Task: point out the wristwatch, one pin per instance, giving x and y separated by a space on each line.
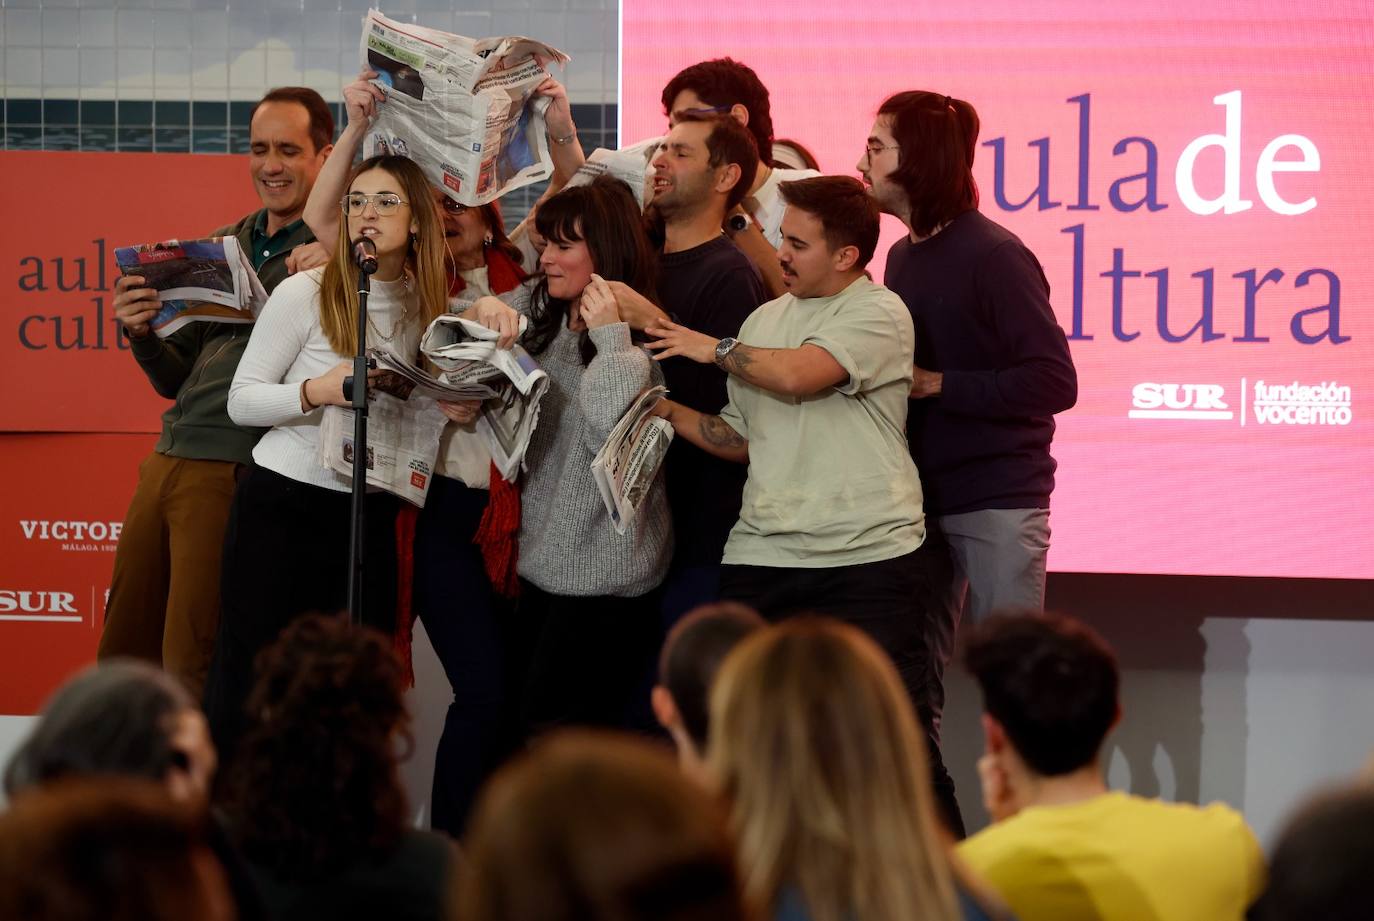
725 347
738 223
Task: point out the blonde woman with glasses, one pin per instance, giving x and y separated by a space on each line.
814 743
286 544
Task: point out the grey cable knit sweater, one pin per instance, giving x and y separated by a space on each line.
568 545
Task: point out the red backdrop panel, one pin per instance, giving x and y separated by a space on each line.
65 498
1089 108
63 366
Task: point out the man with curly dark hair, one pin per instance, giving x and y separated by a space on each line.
314 795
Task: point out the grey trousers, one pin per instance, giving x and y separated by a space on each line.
983 562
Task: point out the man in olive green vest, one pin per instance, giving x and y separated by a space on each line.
164 594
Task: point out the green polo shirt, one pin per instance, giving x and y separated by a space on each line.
265 247
831 482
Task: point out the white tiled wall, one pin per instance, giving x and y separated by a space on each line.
237 49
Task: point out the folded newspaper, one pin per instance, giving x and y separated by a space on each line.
462 108
208 279
466 352
400 378
402 443
627 463
629 164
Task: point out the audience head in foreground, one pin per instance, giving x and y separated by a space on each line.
1062 846
814 743
315 798
591 826
119 718
1320 869
108 849
691 656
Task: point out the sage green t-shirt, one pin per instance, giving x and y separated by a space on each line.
831 481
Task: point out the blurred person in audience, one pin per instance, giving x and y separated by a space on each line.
465 536
315 801
1062 847
286 545
687 666
831 520
1321 866
118 718
815 744
592 826
108 849
723 86
164 594
125 718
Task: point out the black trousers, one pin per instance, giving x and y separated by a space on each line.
890 600
464 619
580 661
286 554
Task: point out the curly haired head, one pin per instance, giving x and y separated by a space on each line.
315 786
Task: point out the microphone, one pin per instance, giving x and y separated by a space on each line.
365 255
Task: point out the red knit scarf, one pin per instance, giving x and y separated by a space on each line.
497 533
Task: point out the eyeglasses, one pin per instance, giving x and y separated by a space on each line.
452 207
385 203
875 149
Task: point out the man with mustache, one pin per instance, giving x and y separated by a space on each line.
832 519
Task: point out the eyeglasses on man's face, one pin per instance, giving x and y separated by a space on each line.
384 203
874 150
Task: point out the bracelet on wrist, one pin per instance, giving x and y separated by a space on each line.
565 139
305 400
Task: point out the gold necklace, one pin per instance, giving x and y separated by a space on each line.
399 322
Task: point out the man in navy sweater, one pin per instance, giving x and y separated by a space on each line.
991 368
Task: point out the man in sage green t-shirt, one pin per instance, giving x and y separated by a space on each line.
832 521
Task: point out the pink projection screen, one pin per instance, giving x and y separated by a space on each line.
1195 178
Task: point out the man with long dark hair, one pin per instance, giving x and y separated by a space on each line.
990 369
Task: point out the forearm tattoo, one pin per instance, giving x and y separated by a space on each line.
715 431
739 359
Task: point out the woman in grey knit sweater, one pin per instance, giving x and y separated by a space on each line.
587 625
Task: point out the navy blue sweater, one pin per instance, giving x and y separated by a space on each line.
981 307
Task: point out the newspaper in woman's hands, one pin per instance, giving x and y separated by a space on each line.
627 463
467 353
208 279
402 443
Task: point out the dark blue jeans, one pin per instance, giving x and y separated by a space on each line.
462 616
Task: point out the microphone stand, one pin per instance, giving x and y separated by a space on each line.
355 391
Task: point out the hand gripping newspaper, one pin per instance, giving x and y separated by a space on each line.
511 381
462 108
209 280
629 164
627 463
403 429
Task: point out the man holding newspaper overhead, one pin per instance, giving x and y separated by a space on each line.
164 594
832 519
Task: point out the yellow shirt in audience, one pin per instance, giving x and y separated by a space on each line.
1118 857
